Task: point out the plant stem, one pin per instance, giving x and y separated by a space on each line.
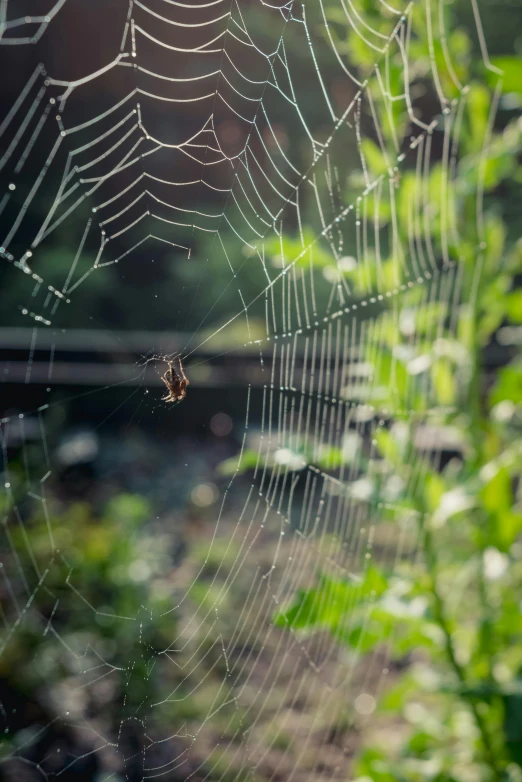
441 618
473 402
477 430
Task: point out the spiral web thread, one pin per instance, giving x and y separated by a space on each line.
312 321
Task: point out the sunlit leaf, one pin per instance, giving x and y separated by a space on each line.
443 379
514 306
248 461
434 489
373 158
508 385
511 67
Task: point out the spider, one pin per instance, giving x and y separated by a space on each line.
176 382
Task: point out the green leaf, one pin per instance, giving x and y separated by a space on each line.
434 489
291 249
373 157
478 112
512 76
328 604
496 494
309 609
421 742
248 462
443 379
388 446
508 385
514 306
509 527
392 386
497 499
373 764
394 697
495 237
366 635
329 458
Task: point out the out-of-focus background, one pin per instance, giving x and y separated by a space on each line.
154 625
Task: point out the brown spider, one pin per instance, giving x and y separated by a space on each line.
176 382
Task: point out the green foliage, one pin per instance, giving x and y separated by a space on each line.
454 610
90 576
297 457
511 67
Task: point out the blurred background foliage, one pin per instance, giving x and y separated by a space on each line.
454 610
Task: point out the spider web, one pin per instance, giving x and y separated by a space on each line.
268 110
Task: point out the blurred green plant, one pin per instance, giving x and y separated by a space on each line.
454 611
92 608
459 603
